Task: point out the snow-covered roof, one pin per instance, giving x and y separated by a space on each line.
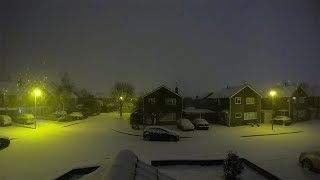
163 86
230 91
197 111
313 91
282 90
205 95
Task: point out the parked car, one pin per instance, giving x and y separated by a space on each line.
4 142
158 133
310 160
59 113
200 123
185 125
5 120
282 120
136 119
24 119
75 116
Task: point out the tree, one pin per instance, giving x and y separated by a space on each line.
64 90
90 105
121 93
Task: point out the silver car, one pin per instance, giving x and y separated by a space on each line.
310 160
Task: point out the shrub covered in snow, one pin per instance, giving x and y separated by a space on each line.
232 166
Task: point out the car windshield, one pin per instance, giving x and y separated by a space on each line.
234 84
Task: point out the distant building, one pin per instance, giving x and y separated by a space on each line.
290 100
162 106
237 105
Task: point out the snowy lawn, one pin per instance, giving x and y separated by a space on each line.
55 148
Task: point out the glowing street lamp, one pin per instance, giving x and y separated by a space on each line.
37 92
272 94
121 101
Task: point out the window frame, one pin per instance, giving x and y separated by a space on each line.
250 102
172 100
238 117
237 100
152 100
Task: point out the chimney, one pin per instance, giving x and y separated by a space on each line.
177 89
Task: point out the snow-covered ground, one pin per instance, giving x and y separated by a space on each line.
55 148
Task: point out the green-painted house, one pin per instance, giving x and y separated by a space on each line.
238 105
162 106
290 100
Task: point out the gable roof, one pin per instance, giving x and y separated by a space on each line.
313 91
231 91
283 91
163 86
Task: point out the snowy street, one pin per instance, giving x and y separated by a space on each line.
55 148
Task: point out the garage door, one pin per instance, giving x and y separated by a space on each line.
250 115
167 117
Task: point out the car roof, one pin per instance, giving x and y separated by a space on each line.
158 127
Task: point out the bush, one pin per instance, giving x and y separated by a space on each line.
232 166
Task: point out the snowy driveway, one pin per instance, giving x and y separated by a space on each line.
52 150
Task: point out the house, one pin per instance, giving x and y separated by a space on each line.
162 106
290 100
313 101
238 105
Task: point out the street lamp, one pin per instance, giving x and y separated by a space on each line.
37 92
120 101
272 94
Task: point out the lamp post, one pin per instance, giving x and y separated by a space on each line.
120 101
37 92
272 94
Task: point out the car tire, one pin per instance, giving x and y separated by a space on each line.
147 138
307 163
171 138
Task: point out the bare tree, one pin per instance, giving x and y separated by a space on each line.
121 93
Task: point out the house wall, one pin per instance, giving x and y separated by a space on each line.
170 112
296 110
244 107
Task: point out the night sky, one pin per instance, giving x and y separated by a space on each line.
203 45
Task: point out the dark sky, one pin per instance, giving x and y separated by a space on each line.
203 45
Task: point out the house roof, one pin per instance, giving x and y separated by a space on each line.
231 91
282 91
313 91
163 86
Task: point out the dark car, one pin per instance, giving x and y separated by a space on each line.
158 133
200 123
4 142
310 160
136 119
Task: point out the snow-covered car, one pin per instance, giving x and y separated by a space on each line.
75 116
200 123
185 125
59 113
5 120
159 133
310 160
4 142
24 119
282 120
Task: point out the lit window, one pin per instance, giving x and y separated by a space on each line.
250 100
238 100
301 99
238 115
151 100
170 101
250 115
294 99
